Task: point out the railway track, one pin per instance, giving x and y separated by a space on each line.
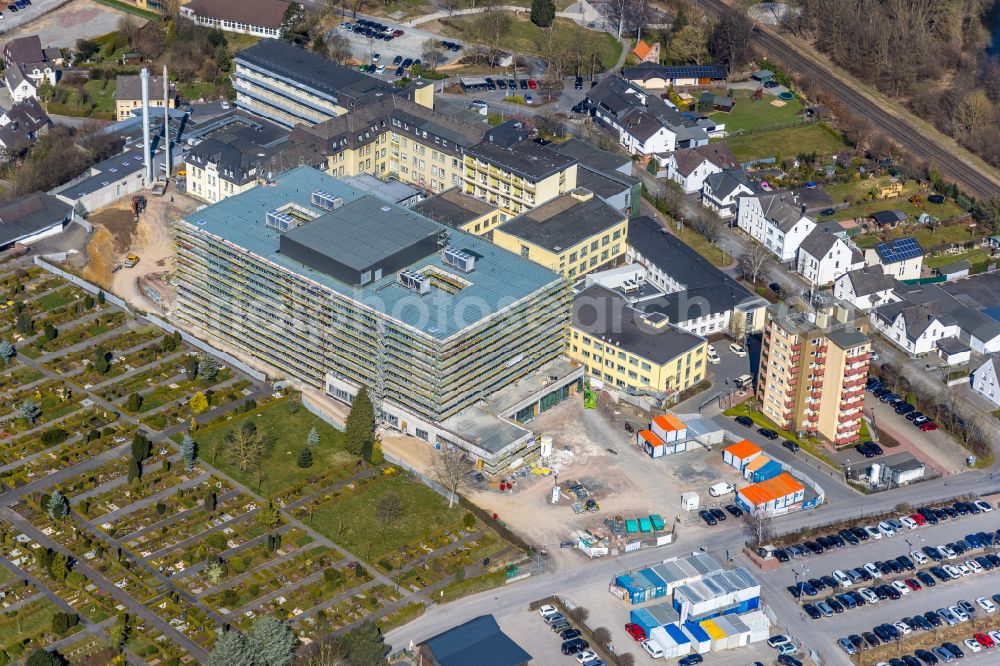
969 177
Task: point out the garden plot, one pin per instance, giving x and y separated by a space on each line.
189 619
226 516
358 606
28 628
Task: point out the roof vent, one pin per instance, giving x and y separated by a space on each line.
582 194
325 200
386 209
463 261
413 281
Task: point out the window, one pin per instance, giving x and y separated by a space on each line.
524 251
616 235
422 434
647 367
605 241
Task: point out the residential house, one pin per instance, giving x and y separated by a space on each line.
824 255
659 77
865 288
573 234
986 380
689 167
721 191
902 258
28 66
260 18
18 85
697 296
23 124
606 174
644 123
478 641
23 50
776 220
649 53
128 95
626 349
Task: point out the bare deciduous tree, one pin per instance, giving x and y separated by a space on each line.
580 614
754 261
708 224
328 651
338 48
451 470
757 527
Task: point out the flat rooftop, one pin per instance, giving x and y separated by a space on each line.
563 222
454 208
499 280
526 159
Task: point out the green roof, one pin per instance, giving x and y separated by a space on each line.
500 278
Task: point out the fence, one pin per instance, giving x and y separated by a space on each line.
317 411
153 319
424 479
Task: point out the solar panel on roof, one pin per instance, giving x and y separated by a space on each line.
900 249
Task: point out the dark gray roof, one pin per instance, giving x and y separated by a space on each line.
621 98
129 86
526 159
605 314
645 71
591 156
478 641
363 232
952 346
781 208
23 50
240 147
847 338
26 119
902 462
888 216
867 281
819 241
719 154
675 258
935 299
453 208
563 222
955 267
602 183
345 85
725 182
30 214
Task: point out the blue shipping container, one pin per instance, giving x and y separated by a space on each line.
768 470
644 619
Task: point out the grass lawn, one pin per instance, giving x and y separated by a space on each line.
523 37
195 91
788 142
749 114
289 432
100 103
6 575
26 623
700 245
973 257
352 521
743 409
928 238
856 191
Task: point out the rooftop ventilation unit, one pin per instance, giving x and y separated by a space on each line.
463 261
630 287
326 201
283 222
414 282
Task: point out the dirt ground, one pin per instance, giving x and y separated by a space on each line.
78 19
116 235
593 448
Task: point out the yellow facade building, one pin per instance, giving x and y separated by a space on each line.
128 95
519 176
624 348
573 234
460 211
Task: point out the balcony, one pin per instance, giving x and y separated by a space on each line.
857 358
853 383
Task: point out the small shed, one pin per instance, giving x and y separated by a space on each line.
953 351
762 75
650 443
739 454
993 242
668 427
690 501
761 468
902 468
955 270
888 218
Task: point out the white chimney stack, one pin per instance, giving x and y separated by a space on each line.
146 148
166 124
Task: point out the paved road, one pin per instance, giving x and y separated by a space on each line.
976 181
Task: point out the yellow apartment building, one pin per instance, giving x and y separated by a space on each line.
624 348
517 177
128 95
812 372
574 234
460 211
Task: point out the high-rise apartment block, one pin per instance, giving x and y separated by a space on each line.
812 372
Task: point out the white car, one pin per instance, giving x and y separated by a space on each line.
918 557
947 552
908 523
777 641
902 627
738 350
974 567
973 644
873 570
653 649
547 610
869 595
900 587
712 356
995 635
224 104
873 531
886 529
952 571
585 656
983 505
962 569
380 69
986 605
959 613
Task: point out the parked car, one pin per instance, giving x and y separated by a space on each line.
690 660
767 433
738 350
744 421
635 631
707 517
653 649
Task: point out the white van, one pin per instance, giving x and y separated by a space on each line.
652 648
720 489
743 381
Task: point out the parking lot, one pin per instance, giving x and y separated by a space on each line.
60 23
822 634
408 45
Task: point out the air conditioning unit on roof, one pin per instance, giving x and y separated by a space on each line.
463 261
326 201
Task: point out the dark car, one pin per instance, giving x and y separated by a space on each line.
578 84
812 611
580 107
933 553
914 415
691 660
954 649
790 445
397 60
776 288
984 562
932 618
817 583
570 634
788 660
781 555
906 563
926 579
400 71
860 533
767 433
502 84
12 8
407 62
718 514
827 212
926 657
940 574
871 639
734 510
524 84
744 421
795 590
707 517
910 660
858 599
883 633
574 645
814 547
849 537
865 450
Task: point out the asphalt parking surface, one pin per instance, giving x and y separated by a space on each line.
409 45
821 635
16 19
